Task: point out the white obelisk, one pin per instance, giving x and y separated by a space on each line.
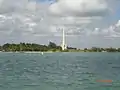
63 41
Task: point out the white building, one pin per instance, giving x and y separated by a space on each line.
64 46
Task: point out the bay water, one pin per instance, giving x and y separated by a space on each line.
59 71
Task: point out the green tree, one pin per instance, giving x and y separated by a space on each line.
0 48
52 45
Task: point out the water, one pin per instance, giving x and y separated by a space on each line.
59 71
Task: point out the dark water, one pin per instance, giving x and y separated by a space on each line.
59 71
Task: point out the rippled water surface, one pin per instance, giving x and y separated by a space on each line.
59 71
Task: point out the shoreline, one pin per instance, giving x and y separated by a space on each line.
54 52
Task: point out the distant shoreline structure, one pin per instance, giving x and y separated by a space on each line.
63 45
51 47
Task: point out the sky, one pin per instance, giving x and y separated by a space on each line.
87 23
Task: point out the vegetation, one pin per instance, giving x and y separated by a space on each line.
29 47
21 47
0 48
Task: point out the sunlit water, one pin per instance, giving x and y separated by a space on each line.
59 71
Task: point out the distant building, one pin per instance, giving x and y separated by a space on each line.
63 45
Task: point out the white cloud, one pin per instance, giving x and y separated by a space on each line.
111 31
31 6
79 13
96 31
1 2
79 8
118 24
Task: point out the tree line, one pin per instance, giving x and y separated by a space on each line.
96 49
29 47
50 47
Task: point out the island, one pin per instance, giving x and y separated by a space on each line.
51 47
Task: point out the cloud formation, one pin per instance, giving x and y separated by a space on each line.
26 20
81 8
